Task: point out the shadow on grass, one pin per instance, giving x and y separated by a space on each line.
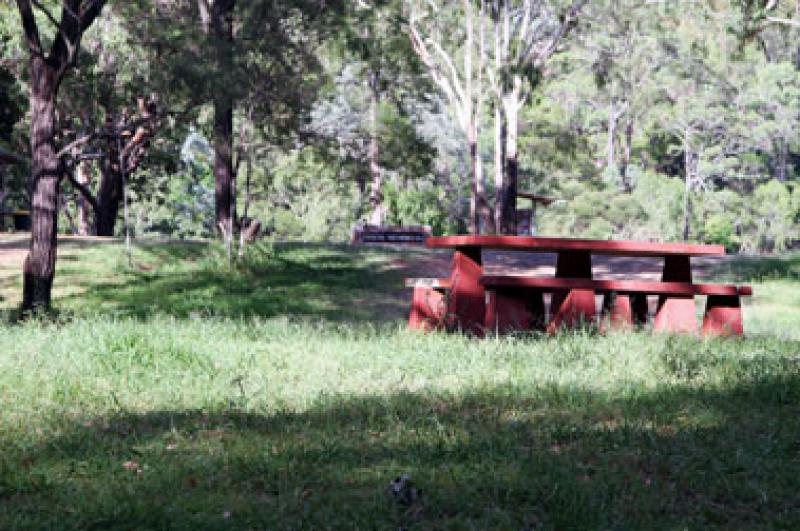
333 283
547 457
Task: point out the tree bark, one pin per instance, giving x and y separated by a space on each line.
222 24
46 73
46 168
223 163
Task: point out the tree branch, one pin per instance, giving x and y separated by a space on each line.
82 188
47 13
571 15
784 21
29 27
90 13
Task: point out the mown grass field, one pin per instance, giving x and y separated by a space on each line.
285 393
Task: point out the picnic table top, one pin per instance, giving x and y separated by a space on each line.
555 245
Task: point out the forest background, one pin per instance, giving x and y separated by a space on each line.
646 120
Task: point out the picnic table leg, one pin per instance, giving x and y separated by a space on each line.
576 306
723 316
467 297
676 313
428 309
625 310
618 309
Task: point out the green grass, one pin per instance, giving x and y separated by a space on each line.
286 394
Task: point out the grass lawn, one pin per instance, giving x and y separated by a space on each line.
285 393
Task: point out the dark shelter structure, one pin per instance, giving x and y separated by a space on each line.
526 217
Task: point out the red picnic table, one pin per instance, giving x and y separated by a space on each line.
473 301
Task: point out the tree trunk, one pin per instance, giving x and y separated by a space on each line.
109 195
84 176
612 133
223 163
512 168
626 157
687 189
376 174
474 214
46 170
222 24
481 219
499 167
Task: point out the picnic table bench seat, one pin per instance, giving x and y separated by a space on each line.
516 302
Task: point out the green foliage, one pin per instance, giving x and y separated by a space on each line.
310 202
720 228
775 215
421 205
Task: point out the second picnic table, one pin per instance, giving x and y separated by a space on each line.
477 302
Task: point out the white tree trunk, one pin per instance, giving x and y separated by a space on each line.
499 165
84 176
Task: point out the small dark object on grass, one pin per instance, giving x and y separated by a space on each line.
404 491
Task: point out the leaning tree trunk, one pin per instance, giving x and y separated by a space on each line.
46 169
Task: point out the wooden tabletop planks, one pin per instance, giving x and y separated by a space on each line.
556 245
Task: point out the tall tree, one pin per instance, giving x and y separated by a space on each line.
526 34
47 68
451 40
217 18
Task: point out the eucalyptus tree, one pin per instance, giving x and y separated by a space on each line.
226 53
375 47
52 45
526 34
451 39
621 47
